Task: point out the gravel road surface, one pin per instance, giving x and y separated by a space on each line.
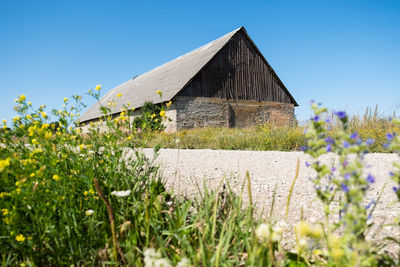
183 169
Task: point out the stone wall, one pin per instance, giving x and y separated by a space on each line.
194 112
197 112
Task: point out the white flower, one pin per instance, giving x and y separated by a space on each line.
185 262
89 212
262 232
121 193
150 257
162 263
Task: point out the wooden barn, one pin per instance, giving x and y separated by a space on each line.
226 82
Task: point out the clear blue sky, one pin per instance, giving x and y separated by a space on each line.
345 54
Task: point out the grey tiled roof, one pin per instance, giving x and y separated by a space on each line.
170 78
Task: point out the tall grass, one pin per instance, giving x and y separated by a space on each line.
274 137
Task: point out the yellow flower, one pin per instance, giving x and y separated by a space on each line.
47 135
4 122
152 116
22 98
44 114
28 116
129 137
4 194
162 113
98 87
4 211
81 146
56 177
20 238
169 104
18 191
65 99
4 163
119 95
29 103
85 193
159 93
16 118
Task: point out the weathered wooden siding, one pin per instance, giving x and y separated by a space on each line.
237 72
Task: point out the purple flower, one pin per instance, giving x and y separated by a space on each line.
370 179
327 120
330 140
389 136
358 141
391 173
347 176
396 189
370 141
303 148
386 145
345 163
316 118
312 101
341 114
354 135
329 148
307 164
344 187
372 202
346 144
333 169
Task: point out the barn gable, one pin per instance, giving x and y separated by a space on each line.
230 67
239 72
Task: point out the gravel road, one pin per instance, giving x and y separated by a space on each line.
183 169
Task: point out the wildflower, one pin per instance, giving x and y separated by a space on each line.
396 189
56 177
162 263
370 141
169 104
347 176
330 140
44 114
20 238
121 193
29 103
316 118
16 119
263 232
346 144
307 164
341 114
129 137
4 121
5 212
4 163
389 136
65 99
119 95
22 98
159 93
370 179
354 135
184 262
152 116
304 148
89 212
162 113
391 173
344 187
329 148
98 87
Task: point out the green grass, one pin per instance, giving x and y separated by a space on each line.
271 137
